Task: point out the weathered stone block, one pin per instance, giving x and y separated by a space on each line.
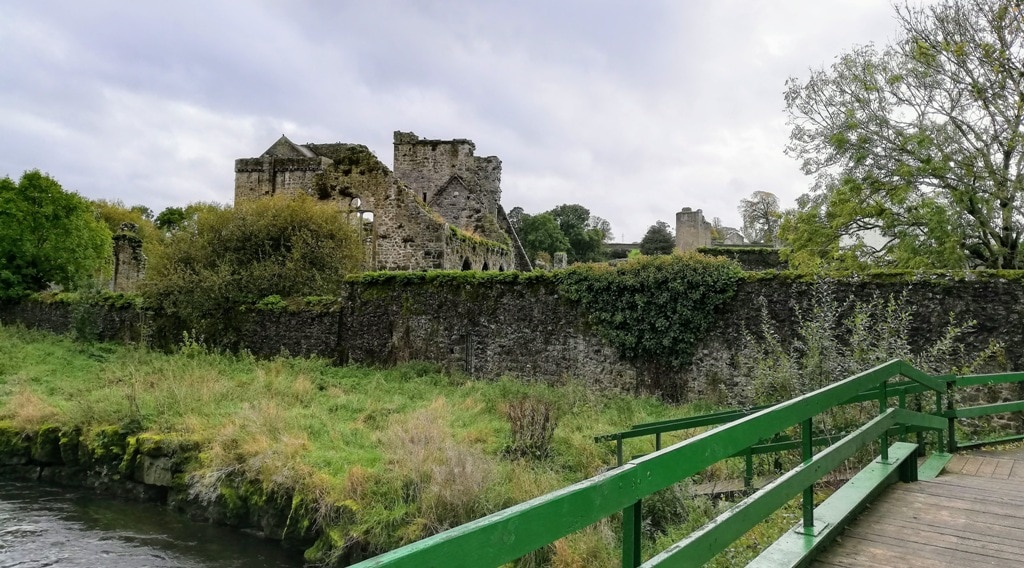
154 471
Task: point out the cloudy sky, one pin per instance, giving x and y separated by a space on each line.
632 108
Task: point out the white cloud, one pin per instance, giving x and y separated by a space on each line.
631 109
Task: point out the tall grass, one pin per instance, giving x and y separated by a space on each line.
385 456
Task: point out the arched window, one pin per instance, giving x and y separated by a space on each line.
466 265
485 266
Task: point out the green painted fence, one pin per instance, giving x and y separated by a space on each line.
512 533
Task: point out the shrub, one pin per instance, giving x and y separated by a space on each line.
533 421
231 258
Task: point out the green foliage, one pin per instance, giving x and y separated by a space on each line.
658 240
47 235
915 147
585 232
653 309
837 339
566 228
114 213
540 233
230 258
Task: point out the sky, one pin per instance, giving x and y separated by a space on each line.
634 109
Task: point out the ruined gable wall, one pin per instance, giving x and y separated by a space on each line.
270 175
425 166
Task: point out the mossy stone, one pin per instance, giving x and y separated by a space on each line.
46 446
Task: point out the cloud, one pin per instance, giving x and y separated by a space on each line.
633 109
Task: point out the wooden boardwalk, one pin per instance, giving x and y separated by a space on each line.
970 515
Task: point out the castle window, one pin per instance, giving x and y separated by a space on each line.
466 265
485 267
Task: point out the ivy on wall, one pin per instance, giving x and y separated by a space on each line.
653 309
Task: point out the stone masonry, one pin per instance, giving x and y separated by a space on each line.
440 209
692 230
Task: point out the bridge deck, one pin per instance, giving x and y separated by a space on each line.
970 515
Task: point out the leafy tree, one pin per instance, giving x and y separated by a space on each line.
586 233
916 148
145 212
47 235
540 234
515 218
761 217
230 258
171 218
658 240
114 213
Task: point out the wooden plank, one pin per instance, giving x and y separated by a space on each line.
956 464
987 467
1017 472
1003 468
972 465
955 520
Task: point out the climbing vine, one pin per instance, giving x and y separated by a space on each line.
654 310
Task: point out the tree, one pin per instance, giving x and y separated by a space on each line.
586 233
658 240
515 218
761 217
540 234
230 258
47 236
916 148
114 213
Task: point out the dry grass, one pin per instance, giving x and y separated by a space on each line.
28 411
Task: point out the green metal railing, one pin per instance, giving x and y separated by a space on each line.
514 532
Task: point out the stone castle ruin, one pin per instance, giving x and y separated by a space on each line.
692 230
439 209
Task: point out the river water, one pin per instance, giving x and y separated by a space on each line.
44 526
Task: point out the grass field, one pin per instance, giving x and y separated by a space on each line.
409 451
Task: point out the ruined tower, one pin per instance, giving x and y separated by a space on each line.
692 230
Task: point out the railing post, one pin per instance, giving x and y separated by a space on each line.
618 451
883 405
632 519
951 406
657 441
902 401
748 470
808 454
938 410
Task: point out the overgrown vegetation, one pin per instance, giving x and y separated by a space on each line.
653 309
387 457
231 258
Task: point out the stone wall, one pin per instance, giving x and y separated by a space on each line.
271 175
512 325
482 328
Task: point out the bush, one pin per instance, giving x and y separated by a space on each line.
533 422
232 258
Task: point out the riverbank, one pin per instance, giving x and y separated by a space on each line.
344 462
